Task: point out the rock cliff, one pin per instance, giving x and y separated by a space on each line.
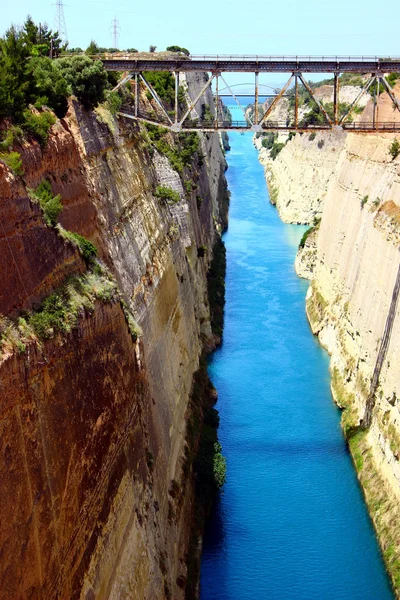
352 258
96 470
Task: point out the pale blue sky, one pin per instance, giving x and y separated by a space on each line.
261 27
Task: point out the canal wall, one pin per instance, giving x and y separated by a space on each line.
352 257
99 424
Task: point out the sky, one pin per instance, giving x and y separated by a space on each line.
214 27
290 27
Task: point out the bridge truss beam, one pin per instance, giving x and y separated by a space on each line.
191 121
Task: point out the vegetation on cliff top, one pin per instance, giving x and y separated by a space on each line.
28 77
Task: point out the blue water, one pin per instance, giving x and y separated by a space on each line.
291 523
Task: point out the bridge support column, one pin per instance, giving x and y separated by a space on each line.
136 95
255 119
376 101
296 101
216 104
336 98
176 95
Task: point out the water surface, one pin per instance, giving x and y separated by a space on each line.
291 524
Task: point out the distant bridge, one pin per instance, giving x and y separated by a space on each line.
135 66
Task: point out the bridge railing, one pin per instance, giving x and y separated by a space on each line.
291 58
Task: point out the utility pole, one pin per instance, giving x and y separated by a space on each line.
115 30
59 21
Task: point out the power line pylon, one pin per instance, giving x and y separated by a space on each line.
115 30
59 21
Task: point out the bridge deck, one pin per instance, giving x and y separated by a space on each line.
262 64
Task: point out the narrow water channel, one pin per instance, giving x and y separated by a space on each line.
291 523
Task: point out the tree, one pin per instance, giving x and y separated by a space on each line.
47 84
13 55
178 49
39 39
86 78
92 48
152 48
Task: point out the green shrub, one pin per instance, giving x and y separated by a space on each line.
219 466
309 231
268 140
178 49
50 318
13 162
312 136
394 149
163 83
167 194
51 205
10 137
364 201
181 153
114 102
276 148
86 248
321 144
38 126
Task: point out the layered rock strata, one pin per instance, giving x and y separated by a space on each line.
97 493
352 303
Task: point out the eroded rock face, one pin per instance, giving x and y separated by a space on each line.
97 501
353 262
299 177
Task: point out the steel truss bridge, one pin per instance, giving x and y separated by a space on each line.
375 68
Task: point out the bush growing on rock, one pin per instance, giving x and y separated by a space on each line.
394 149
166 194
51 205
38 125
13 162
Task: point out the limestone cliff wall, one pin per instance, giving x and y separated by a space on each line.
349 303
298 179
97 501
353 260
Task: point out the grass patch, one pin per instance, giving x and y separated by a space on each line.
13 162
86 248
38 126
50 205
58 313
10 137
